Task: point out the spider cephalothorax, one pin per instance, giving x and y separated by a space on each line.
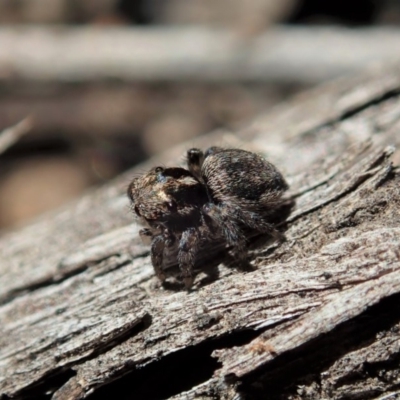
224 194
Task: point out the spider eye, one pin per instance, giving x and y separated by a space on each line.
171 205
159 169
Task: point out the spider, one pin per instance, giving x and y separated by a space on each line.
221 196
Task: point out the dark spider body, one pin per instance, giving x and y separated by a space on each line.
224 194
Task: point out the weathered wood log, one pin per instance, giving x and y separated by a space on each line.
300 55
82 315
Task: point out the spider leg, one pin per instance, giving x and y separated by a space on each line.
188 247
195 159
258 222
146 235
169 238
225 217
157 252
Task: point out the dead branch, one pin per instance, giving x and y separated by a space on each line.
295 55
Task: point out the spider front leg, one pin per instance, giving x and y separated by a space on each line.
157 255
188 248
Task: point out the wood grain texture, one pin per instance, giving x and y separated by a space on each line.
82 315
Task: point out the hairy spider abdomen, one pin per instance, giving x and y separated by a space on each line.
242 177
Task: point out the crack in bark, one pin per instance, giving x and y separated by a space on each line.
55 380
352 335
345 115
177 375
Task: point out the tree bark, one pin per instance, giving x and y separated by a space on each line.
82 315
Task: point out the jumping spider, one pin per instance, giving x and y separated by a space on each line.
223 194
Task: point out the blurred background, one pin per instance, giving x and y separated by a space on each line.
101 85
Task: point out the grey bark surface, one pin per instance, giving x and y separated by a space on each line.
82 315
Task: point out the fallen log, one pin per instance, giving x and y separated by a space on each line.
82 314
